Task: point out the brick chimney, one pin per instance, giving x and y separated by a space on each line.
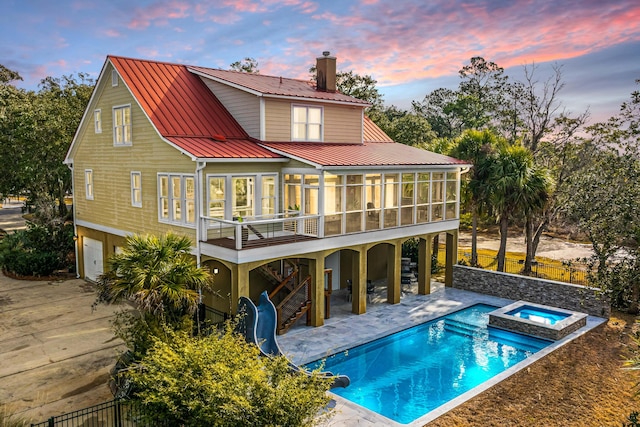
326 72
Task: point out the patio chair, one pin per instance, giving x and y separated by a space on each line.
349 289
370 290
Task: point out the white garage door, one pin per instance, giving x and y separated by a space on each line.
92 254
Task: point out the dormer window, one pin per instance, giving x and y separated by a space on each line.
306 123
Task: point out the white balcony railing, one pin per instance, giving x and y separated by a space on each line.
248 231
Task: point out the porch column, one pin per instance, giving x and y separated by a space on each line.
359 277
425 252
394 261
451 256
316 270
239 284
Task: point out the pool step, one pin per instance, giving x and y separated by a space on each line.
462 328
519 341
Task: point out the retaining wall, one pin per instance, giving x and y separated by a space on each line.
539 291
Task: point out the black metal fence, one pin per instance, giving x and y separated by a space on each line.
568 272
117 413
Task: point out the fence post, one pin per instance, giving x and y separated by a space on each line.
116 414
52 422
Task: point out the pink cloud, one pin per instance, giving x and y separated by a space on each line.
110 32
158 13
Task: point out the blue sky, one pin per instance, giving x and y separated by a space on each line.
411 47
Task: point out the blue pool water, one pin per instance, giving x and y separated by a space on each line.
408 374
540 315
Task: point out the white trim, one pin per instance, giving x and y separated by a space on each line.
183 222
134 203
306 137
89 185
103 228
263 119
97 120
124 142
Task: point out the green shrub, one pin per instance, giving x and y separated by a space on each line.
221 380
37 250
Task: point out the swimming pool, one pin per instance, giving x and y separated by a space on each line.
408 374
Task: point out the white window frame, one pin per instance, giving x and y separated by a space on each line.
97 120
119 109
306 135
114 78
182 200
256 193
88 184
136 190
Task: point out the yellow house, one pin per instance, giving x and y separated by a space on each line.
281 184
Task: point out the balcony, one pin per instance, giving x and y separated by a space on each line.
261 231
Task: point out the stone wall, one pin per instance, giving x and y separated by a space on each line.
539 291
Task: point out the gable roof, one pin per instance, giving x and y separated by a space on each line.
185 112
273 86
372 133
379 154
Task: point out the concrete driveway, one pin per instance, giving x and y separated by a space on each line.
55 353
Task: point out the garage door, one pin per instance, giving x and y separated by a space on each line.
92 255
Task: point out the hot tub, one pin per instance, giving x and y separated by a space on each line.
537 320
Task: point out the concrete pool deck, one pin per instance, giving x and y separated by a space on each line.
345 330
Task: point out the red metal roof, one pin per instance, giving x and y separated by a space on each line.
372 133
184 110
202 147
276 86
367 154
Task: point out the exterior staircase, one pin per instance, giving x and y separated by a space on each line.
295 304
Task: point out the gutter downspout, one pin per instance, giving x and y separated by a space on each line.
199 206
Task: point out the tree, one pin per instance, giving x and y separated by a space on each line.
247 65
36 129
605 203
221 380
158 274
514 188
478 148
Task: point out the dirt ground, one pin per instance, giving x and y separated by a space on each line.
55 352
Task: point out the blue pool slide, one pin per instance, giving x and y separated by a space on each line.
258 325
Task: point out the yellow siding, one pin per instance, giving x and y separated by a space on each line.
341 123
112 167
242 105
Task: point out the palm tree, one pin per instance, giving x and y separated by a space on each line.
158 274
477 147
514 188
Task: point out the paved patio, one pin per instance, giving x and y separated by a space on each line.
344 330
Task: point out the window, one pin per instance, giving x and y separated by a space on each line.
216 196
242 197
122 125
97 121
88 184
306 123
391 193
268 195
437 196
176 199
407 199
373 195
451 195
136 189
422 198
114 78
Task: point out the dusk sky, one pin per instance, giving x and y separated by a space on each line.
411 47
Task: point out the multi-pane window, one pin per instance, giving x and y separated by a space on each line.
268 196
216 196
391 192
407 200
122 125
451 195
136 189
422 197
354 188
242 196
88 184
437 196
176 199
306 123
373 197
333 188
97 121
